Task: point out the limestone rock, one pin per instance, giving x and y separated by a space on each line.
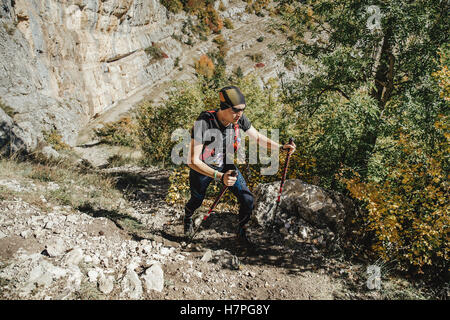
154 278
55 247
106 284
131 285
62 63
74 257
319 207
43 274
207 256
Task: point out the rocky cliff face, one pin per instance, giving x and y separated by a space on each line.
62 62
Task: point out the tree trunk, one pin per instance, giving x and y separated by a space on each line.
384 85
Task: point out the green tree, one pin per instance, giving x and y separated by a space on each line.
370 58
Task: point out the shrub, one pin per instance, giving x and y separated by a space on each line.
212 20
256 6
195 6
408 212
228 23
154 52
174 6
122 132
222 44
205 67
238 73
290 64
54 139
255 57
157 123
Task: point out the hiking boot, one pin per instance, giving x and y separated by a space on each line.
243 239
188 227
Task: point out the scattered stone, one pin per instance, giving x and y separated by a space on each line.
55 247
93 275
74 257
26 234
106 284
207 256
131 285
165 251
42 274
154 278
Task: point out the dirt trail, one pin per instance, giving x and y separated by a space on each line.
273 270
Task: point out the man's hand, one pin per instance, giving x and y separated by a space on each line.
228 179
289 147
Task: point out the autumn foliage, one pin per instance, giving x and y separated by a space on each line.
409 211
205 67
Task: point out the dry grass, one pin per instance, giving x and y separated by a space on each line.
58 184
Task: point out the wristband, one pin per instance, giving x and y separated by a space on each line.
215 175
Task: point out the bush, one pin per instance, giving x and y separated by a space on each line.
408 212
228 23
54 139
122 132
257 6
205 67
222 44
174 6
256 57
157 123
212 20
154 52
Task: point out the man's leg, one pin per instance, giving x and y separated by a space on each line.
198 184
246 202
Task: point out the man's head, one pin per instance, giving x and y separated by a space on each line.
232 103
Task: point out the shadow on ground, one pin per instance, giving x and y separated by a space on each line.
124 222
143 185
218 232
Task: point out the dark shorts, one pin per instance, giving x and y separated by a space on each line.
199 183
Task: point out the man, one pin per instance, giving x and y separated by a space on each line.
220 128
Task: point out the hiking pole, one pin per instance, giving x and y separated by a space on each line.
216 201
286 163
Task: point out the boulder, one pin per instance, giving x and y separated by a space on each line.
316 206
42 274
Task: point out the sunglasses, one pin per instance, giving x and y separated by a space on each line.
237 110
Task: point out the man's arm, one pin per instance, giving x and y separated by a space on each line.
265 142
195 163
